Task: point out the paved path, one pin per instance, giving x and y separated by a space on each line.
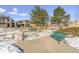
45 44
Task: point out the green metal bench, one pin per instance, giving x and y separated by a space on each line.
58 36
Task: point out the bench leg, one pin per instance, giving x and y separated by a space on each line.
64 41
59 42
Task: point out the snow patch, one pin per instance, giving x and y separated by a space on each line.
73 41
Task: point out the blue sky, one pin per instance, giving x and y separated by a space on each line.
21 12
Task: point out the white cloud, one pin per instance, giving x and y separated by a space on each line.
15 12
12 13
2 10
23 14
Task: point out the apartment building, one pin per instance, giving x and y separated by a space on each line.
6 22
22 23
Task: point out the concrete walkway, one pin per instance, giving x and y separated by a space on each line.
45 44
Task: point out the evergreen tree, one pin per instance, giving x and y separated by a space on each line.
39 16
60 16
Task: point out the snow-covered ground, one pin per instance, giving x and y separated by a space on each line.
73 41
9 36
7 42
9 48
35 35
8 39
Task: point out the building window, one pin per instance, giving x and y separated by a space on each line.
13 24
8 25
22 24
7 19
18 26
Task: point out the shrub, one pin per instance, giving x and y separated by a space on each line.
71 31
